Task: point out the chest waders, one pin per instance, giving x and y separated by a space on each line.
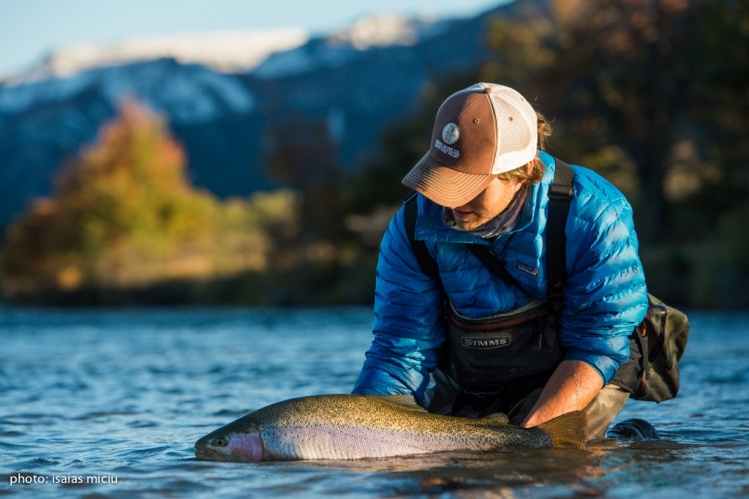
497 360
507 355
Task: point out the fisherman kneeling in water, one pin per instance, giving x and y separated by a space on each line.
471 336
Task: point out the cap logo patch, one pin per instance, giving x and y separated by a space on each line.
450 134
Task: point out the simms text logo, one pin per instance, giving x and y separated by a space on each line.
485 343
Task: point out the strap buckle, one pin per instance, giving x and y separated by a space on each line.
562 192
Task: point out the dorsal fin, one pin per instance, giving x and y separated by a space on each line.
497 417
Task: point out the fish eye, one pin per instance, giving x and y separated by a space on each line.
220 442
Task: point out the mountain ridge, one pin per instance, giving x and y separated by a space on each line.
221 118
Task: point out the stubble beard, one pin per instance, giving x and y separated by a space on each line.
470 224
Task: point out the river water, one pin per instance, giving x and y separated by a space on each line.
109 404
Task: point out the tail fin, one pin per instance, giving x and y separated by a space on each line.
568 430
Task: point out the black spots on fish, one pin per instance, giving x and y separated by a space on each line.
355 427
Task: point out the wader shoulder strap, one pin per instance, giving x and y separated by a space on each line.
560 195
419 248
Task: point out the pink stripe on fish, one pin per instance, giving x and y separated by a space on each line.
246 447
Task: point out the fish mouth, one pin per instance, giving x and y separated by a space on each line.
207 454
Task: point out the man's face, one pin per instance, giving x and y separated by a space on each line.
488 204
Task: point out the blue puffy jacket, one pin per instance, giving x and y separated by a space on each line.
605 295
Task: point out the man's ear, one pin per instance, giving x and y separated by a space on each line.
532 165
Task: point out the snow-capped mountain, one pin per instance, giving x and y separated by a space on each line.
227 52
184 92
358 80
375 32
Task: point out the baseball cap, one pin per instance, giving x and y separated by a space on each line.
480 132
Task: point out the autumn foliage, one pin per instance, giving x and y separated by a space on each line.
652 94
124 214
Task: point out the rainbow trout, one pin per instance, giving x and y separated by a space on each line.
372 426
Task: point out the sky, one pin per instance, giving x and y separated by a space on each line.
30 29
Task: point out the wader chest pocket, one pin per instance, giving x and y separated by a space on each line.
487 353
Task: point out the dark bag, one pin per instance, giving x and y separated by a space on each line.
657 344
652 371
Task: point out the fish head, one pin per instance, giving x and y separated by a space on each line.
231 443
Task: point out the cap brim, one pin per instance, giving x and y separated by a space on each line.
443 185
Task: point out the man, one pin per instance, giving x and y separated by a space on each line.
465 341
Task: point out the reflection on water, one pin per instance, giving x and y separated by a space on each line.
111 402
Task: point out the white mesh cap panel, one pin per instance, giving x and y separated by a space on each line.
516 127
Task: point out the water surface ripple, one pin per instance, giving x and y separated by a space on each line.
110 403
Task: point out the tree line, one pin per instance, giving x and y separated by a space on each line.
652 94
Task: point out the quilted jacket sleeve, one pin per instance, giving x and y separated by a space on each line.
605 295
407 324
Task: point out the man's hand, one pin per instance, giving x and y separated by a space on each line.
572 387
